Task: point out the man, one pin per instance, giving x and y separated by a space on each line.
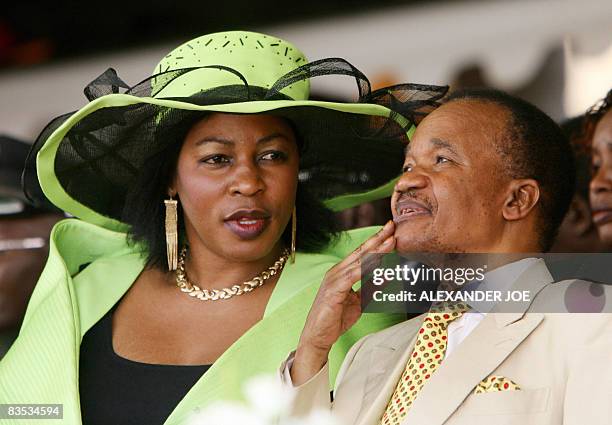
484 173
24 231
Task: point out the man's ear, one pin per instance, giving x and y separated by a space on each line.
522 197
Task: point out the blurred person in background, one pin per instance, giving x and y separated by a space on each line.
205 198
24 233
599 125
578 232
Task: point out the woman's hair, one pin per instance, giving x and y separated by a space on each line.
144 209
591 119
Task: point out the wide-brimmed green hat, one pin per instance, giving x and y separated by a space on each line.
87 161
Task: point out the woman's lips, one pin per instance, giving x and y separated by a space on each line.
247 229
602 216
247 225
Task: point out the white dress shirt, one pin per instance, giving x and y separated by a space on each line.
502 278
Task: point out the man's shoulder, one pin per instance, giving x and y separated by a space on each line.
394 336
574 296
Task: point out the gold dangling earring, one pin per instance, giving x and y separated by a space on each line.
171 233
293 234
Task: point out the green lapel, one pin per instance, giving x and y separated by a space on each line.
42 366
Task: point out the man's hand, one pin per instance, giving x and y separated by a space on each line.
336 307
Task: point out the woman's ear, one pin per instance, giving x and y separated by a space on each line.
523 196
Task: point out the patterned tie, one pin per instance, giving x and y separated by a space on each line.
425 359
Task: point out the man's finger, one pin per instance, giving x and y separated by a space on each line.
371 244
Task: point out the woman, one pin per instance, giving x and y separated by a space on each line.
215 168
599 125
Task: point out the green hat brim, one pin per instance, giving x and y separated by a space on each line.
54 190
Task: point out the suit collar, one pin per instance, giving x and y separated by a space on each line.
533 280
476 357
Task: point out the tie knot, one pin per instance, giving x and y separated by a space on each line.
446 312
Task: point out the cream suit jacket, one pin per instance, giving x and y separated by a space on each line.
561 361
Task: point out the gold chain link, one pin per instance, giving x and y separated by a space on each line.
195 291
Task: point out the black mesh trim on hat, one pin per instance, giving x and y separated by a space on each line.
99 159
324 67
29 179
108 82
97 165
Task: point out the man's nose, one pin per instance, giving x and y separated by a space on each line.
602 180
247 180
414 179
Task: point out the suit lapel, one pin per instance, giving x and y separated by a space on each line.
475 358
387 362
498 335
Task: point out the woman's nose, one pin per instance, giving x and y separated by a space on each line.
602 180
247 180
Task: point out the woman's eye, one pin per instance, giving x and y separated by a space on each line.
595 167
407 168
273 156
216 159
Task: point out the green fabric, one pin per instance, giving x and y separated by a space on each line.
260 58
42 364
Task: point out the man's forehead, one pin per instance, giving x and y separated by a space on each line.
458 122
434 142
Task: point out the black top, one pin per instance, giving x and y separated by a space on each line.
118 391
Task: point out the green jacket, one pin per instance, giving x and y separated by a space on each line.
42 366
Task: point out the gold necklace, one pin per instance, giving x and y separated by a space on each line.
195 291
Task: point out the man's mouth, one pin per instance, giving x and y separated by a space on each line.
409 209
247 224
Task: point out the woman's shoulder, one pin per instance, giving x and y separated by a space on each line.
347 241
78 244
76 249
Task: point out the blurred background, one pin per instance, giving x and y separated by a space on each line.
555 53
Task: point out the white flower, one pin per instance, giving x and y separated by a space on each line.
268 402
225 413
267 396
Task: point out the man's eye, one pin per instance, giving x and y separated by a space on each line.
441 160
407 168
273 156
216 159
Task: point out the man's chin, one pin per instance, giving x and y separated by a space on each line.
408 243
411 236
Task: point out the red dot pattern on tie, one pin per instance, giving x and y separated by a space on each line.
427 356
